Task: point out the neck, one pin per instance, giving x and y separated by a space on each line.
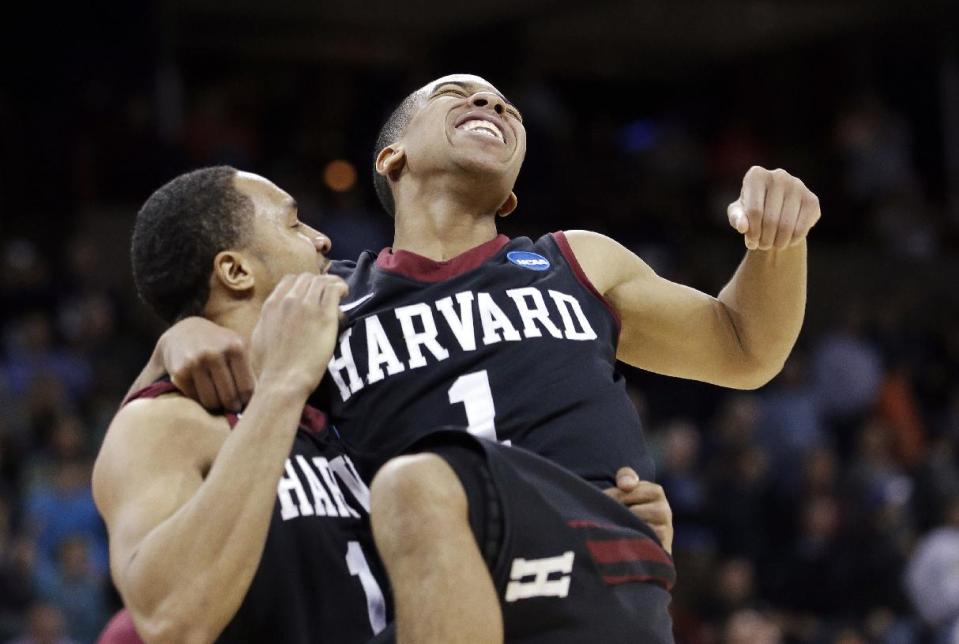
440 221
240 317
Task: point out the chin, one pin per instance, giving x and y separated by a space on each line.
490 166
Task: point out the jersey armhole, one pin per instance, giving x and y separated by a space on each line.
164 386
560 238
153 390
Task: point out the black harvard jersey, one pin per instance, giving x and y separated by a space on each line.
319 579
509 339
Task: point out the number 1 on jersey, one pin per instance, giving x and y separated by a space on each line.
375 604
474 392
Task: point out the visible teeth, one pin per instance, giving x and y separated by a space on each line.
483 127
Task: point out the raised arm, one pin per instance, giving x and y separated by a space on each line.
188 502
739 339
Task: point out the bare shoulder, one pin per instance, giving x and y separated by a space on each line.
172 418
587 241
156 434
606 262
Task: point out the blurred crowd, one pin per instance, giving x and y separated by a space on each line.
822 508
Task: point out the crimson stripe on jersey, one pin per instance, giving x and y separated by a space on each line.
424 269
567 250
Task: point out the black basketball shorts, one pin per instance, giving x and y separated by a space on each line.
569 563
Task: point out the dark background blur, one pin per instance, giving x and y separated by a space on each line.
822 508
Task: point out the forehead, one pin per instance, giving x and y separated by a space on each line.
259 188
467 80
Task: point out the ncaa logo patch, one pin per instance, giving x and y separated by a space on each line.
532 261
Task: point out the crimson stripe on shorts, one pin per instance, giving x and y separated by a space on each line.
617 550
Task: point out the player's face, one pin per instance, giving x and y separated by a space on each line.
280 243
464 122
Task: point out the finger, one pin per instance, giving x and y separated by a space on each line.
283 287
737 217
613 492
626 479
772 210
327 291
645 492
753 197
653 514
224 385
205 391
242 372
809 214
788 220
185 386
301 285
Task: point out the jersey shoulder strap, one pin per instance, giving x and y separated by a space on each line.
164 386
561 242
153 390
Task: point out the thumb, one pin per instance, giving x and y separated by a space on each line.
626 479
737 217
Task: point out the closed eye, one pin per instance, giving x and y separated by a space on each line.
450 91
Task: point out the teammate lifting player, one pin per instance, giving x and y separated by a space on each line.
198 541
519 338
204 543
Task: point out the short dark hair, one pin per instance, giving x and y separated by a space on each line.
389 133
177 234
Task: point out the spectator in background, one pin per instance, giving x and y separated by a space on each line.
733 591
879 526
16 574
680 474
44 626
32 354
847 374
62 507
740 485
790 426
25 277
751 627
876 146
76 589
811 577
932 577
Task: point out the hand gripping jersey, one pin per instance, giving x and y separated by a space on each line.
319 580
509 339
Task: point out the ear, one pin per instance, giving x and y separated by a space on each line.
390 161
509 205
233 271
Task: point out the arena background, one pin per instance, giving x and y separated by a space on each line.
798 508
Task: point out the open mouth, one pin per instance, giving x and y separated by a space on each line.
482 127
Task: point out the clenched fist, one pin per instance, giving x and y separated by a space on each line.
774 209
293 340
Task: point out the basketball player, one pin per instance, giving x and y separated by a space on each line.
252 528
457 323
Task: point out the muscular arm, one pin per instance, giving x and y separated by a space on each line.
184 546
742 337
739 339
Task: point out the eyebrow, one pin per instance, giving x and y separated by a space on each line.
468 86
